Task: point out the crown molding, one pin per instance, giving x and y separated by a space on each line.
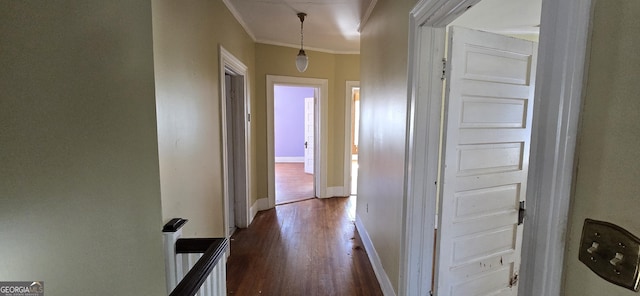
367 14
239 19
297 46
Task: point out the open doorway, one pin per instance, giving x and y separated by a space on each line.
559 81
352 128
236 129
294 129
485 137
319 153
479 139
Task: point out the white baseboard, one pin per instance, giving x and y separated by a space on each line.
260 205
336 191
263 204
290 159
381 275
253 211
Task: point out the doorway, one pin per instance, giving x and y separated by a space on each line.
554 120
319 154
352 128
236 128
486 136
294 130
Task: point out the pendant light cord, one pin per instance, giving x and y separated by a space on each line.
301 16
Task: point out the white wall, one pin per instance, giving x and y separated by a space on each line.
79 180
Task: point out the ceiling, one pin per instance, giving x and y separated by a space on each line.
332 25
512 17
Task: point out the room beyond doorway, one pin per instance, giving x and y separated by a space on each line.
294 142
320 155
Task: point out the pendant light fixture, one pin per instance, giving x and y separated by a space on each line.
302 61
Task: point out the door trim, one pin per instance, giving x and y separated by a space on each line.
229 63
347 134
320 159
560 74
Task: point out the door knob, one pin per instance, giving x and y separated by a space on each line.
305 144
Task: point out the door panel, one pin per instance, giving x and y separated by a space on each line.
487 131
309 132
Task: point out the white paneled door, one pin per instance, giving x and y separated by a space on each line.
309 133
487 131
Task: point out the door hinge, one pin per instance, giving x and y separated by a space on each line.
522 213
249 117
430 293
444 69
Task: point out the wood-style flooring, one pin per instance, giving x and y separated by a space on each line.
309 247
292 183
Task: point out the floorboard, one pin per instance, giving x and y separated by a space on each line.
292 183
309 247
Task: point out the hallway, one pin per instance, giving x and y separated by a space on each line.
303 248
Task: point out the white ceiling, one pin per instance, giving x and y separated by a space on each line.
332 25
513 17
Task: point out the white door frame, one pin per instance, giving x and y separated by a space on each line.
560 70
320 159
229 63
347 134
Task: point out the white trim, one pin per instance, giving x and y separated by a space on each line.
259 205
254 210
320 159
367 15
558 100
376 263
230 62
263 204
170 267
239 19
289 159
421 167
347 134
338 191
559 85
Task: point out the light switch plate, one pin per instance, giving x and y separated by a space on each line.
611 252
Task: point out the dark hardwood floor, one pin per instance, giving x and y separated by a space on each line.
309 247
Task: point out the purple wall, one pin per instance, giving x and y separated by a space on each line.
289 120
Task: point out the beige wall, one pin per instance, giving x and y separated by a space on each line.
606 184
382 129
79 181
186 36
337 68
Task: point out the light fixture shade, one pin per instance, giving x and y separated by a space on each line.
302 61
